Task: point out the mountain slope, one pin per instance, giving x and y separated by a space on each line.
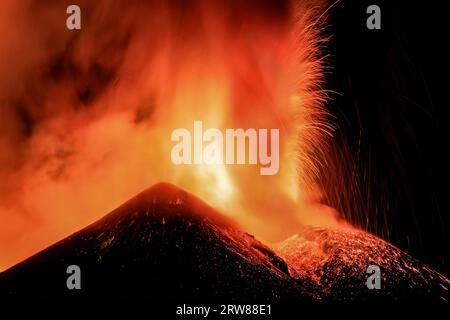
165 244
335 262
162 244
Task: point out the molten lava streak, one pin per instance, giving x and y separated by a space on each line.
87 116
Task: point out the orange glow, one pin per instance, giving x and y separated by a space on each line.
87 115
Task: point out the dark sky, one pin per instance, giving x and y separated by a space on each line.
390 107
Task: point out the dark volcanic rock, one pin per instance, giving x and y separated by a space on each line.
333 265
166 244
162 244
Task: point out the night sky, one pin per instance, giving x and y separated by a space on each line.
389 99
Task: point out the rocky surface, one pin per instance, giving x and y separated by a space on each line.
162 244
333 265
166 244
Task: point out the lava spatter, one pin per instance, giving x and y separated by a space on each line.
333 262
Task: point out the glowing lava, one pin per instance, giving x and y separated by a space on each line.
87 116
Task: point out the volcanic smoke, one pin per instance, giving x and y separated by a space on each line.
87 115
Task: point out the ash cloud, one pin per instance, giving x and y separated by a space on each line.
82 112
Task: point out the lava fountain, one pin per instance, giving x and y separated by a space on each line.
87 115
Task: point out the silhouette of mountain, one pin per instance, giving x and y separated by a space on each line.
166 244
162 244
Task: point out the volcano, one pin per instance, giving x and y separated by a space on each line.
166 244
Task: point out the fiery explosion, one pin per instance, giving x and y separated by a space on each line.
87 115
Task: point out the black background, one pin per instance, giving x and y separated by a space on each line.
388 96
